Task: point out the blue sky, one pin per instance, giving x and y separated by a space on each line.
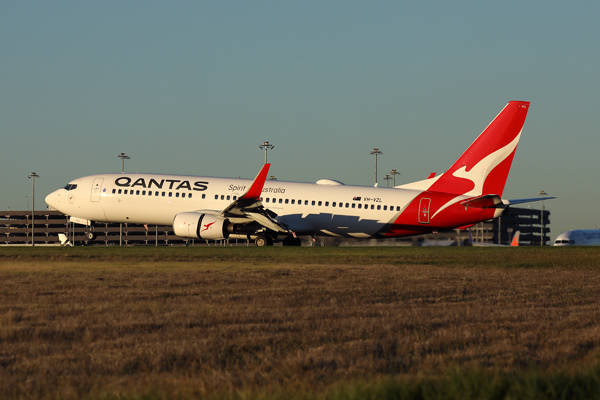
194 87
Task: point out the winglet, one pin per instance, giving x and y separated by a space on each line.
258 184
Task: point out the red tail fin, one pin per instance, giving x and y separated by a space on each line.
484 166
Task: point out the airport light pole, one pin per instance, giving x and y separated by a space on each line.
376 152
266 146
123 157
32 176
394 173
542 193
387 179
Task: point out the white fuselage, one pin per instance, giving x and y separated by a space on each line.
579 237
328 207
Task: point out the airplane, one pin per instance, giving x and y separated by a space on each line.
268 211
579 237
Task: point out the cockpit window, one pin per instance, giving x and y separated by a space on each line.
71 186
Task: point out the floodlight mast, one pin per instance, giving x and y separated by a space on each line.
394 173
387 178
266 146
123 157
376 152
32 176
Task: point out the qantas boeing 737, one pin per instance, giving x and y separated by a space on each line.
266 211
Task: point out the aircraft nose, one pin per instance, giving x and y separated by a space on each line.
53 199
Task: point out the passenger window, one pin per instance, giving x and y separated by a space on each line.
347 205
119 191
320 202
222 197
163 194
149 193
235 198
333 204
293 201
189 195
125 191
360 206
313 202
286 201
216 197
384 208
280 201
203 196
114 191
353 205
177 194
305 202
326 204
379 207
372 206
267 200
397 208
228 197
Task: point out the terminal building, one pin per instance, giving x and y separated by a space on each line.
16 229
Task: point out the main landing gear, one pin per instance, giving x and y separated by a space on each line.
91 235
262 240
265 240
291 241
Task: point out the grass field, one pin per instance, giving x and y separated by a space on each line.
278 323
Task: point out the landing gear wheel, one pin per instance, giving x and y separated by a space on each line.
262 241
291 241
90 235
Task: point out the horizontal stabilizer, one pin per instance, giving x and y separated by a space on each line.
485 201
520 201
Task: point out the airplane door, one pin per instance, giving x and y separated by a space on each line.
97 189
424 211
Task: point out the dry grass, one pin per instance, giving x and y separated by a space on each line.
115 326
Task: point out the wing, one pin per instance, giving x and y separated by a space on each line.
248 207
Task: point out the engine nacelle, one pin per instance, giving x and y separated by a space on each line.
201 226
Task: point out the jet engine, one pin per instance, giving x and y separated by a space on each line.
201 226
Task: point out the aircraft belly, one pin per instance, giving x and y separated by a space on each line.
122 210
332 224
